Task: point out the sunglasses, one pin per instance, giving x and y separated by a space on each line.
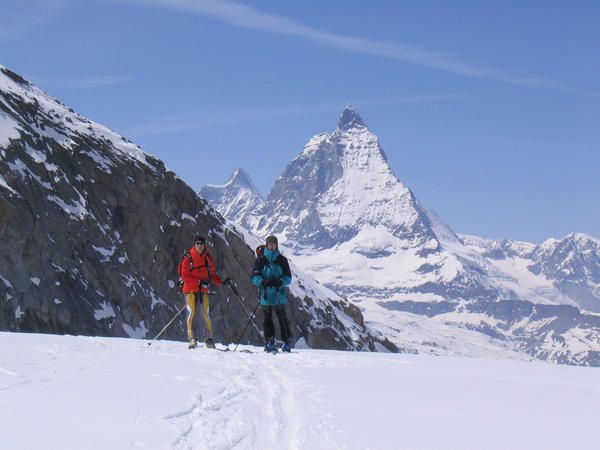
198 243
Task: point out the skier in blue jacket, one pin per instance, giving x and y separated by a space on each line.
272 274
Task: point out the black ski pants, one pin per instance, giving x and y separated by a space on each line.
268 325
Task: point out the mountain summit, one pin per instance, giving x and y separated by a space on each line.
350 119
241 178
239 197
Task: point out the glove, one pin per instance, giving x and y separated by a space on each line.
273 282
204 284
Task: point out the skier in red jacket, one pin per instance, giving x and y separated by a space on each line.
197 271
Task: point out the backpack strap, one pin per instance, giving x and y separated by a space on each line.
186 254
259 263
284 264
206 263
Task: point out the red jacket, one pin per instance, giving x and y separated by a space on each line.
197 267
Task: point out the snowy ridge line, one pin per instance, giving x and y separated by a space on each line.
70 121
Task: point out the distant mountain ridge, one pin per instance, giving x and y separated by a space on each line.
351 223
571 265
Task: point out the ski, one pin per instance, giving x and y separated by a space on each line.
224 349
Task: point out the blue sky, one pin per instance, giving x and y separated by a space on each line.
488 111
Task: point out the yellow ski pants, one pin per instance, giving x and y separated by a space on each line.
190 299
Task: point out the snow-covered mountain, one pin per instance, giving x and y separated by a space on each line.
92 229
239 196
352 224
340 184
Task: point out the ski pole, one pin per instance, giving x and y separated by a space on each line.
239 297
246 327
229 283
167 325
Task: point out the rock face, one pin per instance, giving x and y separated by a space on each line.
352 224
92 229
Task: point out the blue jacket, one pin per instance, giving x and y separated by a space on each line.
272 274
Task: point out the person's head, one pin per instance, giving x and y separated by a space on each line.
272 242
199 243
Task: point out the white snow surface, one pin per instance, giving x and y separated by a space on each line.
9 129
71 392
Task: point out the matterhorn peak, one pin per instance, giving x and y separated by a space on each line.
350 119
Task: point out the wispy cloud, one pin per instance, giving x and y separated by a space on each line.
18 16
244 16
67 83
194 122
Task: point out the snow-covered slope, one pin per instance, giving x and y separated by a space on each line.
342 213
68 392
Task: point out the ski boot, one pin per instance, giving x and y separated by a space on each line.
286 347
270 346
193 343
210 343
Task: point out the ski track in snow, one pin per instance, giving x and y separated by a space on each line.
217 420
209 422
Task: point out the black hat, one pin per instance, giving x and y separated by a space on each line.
200 239
273 239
